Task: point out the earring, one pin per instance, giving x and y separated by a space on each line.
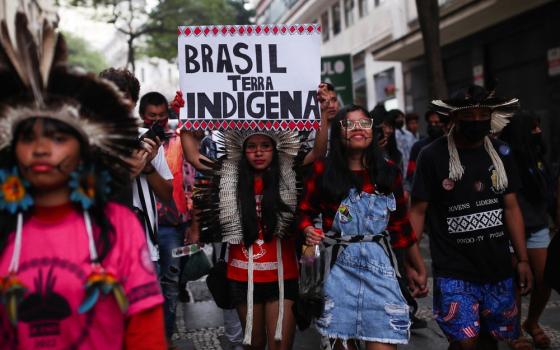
85 183
14 194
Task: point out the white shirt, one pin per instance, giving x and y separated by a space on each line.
160 165
405 140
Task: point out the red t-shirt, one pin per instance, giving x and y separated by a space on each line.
264 254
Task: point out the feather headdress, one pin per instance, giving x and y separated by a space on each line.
218 199
217 195
38 83
476 97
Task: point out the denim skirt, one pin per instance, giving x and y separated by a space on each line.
363 299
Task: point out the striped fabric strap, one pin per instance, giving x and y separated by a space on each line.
278 333
340 242
332 238
250 290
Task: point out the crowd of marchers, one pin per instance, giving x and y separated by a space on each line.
101 221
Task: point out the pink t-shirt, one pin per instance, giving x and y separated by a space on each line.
54 266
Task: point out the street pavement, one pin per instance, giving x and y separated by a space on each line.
200 322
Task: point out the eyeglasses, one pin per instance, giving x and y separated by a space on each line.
360 124
265 147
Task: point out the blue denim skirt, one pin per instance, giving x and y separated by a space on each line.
363 298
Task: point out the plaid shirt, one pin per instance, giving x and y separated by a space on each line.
315 202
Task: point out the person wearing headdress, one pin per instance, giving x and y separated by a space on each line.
466 183
248 200
74 267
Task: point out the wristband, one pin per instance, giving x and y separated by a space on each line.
522 261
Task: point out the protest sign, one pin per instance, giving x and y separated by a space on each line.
250 76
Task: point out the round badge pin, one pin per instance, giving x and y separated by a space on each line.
479 186
448 184
504 150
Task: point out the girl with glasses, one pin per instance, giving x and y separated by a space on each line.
358 194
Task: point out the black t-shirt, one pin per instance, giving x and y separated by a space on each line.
468 239
419 146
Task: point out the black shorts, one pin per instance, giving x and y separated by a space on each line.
263 292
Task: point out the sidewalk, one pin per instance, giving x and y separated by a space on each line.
200 323
200 326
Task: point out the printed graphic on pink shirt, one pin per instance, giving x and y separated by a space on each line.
54 266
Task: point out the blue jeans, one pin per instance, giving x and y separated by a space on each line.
169 237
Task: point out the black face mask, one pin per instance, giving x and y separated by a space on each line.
399 124
474 130
435 131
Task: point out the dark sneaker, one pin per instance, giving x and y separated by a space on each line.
417 323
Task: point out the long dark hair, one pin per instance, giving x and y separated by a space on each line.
519 137
338 179
271 203
381 116
391 147
104 239
392 150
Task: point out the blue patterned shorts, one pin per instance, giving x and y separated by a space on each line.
464 309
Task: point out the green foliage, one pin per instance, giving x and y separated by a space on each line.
158 34
82 55
169 14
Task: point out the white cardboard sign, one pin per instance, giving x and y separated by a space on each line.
250 76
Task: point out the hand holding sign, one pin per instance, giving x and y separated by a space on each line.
178 102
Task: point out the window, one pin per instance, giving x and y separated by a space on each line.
349 12
363 7
336 18
359 83
325 26
384 83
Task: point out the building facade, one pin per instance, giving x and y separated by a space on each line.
512 45
354 27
